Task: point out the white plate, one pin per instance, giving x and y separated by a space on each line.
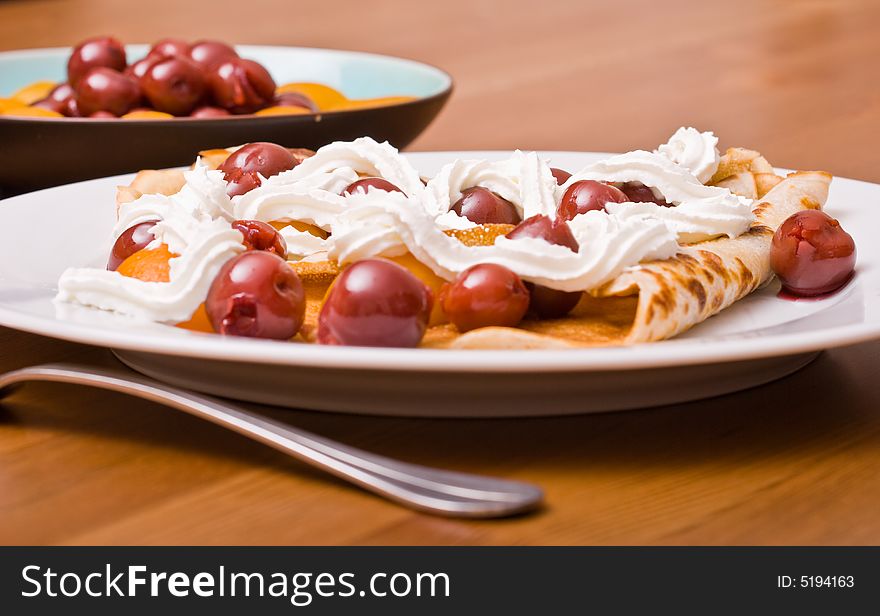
757 340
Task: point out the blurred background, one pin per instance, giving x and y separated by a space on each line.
793 78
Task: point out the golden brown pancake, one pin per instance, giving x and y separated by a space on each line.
653 301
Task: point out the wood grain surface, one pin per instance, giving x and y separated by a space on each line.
794 462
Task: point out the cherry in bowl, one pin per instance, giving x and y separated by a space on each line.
209 112
103 89
210 53
295 99
241 86
169 48
101 51
139 69
58 98
174 85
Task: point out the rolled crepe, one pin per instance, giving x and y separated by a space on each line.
660 299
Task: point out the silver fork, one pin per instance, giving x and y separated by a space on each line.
427 489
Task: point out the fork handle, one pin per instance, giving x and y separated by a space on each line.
431 490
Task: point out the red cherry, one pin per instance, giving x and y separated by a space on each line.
61 92
169 48
210 53
50 105
57 99
376 303
131 240
483 207
364 184
209 112
295 99
542 227
71 108
812 254
241 86
140 68
102 115
267 158
256 294
174 85
639 193
239 182
261 236
103 89
586 195
101 51
241 167
483 296
544 301
560 175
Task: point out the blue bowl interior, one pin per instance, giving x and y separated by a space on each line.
355 74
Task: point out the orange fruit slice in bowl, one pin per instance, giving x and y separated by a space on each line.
146 114
282 110
364 103
8 104
34 92
30 112
323 96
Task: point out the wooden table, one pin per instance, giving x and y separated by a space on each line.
792 462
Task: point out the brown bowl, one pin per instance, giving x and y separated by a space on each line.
41 152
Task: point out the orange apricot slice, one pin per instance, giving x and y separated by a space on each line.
365 103
199 322
323 96
31 112
432 280
34 92
283 110
148 265
146 114
7 104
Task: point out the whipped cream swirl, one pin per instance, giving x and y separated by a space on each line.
382 224
209 244
202 198
312 199
364 156
700 213
695 151
302 244
524 179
